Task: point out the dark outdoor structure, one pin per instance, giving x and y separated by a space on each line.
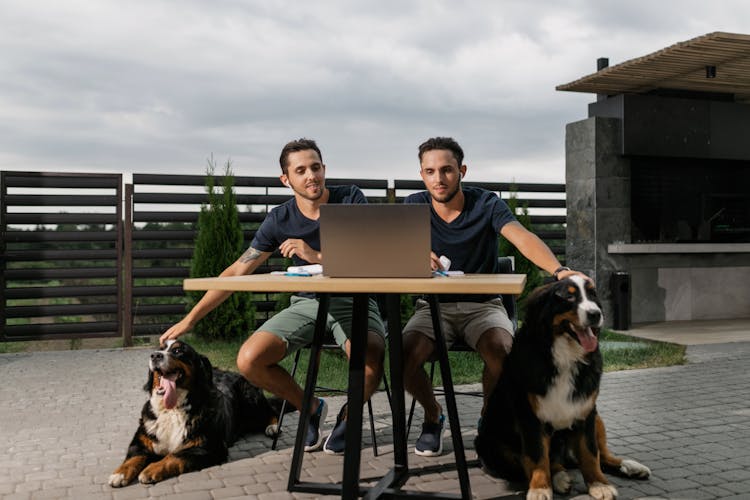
658 182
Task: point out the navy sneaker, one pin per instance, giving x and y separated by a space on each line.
336 442
430 442
314 436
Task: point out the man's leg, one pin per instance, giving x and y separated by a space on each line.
417 350
258 360
493 346
374 356
373 362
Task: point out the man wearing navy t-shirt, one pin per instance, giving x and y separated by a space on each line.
293 228
465 223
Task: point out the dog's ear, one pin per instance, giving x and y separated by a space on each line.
207 370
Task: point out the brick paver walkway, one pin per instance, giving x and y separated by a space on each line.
66 418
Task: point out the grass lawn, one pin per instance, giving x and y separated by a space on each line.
620 352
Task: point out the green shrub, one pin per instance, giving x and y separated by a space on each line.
219 242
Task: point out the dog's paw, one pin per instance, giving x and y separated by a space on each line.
633 469
602 491
562 482
118 480
539 494
272 429
152 474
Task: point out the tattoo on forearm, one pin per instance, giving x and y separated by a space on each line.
250 254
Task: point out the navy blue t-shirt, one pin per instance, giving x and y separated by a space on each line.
470 241
286 221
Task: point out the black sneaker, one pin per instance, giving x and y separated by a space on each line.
336 442
430 442
314 436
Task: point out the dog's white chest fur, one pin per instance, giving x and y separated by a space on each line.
558 407
169 427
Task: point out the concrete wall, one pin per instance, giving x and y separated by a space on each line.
597 181
689 286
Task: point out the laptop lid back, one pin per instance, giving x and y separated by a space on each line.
375 240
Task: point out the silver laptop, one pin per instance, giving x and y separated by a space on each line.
375 240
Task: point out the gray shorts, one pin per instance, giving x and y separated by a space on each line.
295 325
461 320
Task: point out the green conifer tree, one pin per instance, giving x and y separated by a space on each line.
220 242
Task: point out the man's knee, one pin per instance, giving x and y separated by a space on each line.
418 348
494 345
375 343
257 353
375 353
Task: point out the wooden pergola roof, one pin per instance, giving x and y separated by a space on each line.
682 66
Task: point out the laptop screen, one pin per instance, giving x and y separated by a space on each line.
375 240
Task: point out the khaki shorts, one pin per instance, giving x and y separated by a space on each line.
461 320
295 325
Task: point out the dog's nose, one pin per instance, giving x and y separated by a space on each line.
157 356
594 317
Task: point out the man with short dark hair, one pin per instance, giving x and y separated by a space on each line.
293 228
465 224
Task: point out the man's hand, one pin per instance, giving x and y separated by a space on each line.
175 331
435 263
565 274
301 249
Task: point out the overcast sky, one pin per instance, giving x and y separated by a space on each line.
156 86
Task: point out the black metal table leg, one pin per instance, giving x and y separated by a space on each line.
312 377
357 348
450 398
398 405
390 485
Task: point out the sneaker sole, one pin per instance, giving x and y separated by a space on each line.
428 453
319 442
331 452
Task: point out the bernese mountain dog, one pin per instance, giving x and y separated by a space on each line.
193 414
541 416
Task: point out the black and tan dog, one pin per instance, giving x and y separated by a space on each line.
542 413
194 413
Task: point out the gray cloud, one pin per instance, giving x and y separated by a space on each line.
159 85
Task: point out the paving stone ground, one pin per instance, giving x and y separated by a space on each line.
67 417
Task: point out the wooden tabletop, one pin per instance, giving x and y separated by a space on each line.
469 283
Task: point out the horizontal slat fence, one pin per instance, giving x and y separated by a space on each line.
60 255
69 270
165 211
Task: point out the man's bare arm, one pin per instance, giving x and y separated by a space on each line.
246 264
250 255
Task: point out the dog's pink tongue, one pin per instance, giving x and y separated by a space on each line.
170 392
587 339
